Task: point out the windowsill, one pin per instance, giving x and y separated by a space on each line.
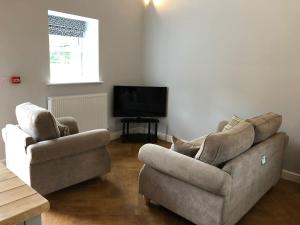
75 83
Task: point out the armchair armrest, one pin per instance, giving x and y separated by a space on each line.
187 169
67 146
14 136
69 122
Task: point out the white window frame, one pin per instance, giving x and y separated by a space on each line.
90 57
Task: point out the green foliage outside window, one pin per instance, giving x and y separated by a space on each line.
59 57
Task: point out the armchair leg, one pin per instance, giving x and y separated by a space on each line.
103 177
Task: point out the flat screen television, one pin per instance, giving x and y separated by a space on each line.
138 101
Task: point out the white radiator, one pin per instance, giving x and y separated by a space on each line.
90 111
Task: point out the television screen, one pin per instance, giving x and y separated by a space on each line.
132 101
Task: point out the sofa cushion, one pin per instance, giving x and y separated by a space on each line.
68 146
64 130
70 122
39 123
265 126
235 120
184 147
221 147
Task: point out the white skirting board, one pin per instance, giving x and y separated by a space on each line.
164 137
3 161
291 176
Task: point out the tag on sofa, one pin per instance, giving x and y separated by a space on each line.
263 160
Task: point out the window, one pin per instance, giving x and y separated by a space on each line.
74 48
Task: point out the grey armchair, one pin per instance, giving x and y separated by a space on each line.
42 157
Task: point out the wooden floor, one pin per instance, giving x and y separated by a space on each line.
115 199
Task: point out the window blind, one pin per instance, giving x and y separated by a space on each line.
66 27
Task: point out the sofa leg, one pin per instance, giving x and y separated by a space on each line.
147 200
103 177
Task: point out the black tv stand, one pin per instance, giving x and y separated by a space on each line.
139 137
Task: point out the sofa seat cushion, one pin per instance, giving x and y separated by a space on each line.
265 126
221 147
185 147
39 123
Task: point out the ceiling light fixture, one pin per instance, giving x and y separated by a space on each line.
155 2
147 2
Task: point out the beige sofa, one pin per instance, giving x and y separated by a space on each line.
38 152
221 191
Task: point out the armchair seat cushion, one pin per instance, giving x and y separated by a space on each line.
39 123
67 146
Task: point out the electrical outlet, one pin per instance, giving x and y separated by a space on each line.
263 160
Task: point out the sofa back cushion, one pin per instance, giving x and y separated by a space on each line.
188 148
235 120
265 126
39 123
221 147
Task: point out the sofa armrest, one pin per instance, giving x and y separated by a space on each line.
187 169
67 146
69 122
13 135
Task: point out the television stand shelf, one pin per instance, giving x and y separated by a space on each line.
139 137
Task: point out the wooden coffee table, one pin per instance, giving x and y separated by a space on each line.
18 201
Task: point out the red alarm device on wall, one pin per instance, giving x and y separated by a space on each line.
15 79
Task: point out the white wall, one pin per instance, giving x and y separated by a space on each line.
24 49
220 58
217 57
